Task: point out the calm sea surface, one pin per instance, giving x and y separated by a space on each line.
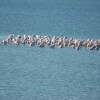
33 73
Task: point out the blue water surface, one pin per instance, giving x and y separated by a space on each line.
33 73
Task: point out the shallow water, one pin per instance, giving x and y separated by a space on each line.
33 73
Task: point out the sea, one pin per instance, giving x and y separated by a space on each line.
33 73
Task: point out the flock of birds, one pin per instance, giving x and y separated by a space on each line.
42 41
